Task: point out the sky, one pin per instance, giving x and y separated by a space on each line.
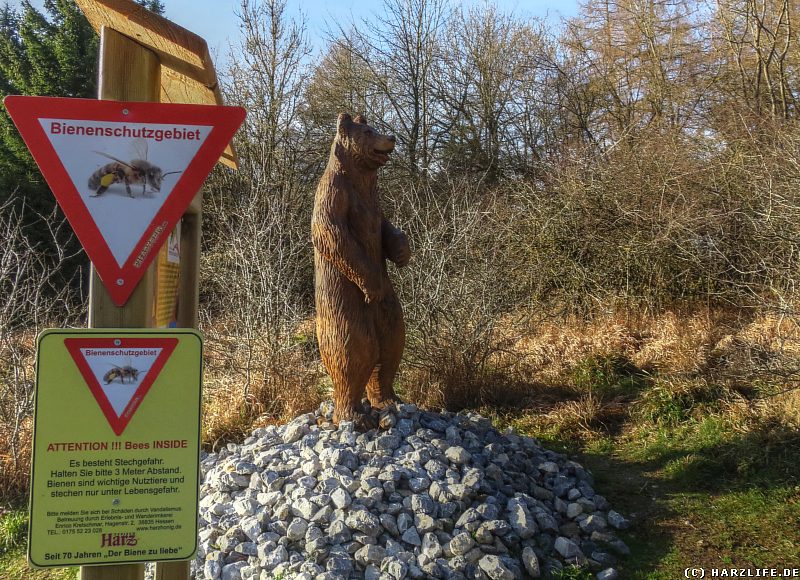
217 21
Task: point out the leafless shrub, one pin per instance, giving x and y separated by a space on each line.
256 268
539 177
455 291
32 296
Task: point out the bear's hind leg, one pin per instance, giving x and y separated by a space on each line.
380 391
348 390
350 370
391 339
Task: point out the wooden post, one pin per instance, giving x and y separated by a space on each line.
188 294
118 572
189 288
172 570
128 72
169 64
131 72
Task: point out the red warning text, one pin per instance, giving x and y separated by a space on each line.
174 134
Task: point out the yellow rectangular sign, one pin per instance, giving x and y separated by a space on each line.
116 447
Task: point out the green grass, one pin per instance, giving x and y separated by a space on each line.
14 566
747 527
608 376
13 560
700 489
13 527
572 573
700 492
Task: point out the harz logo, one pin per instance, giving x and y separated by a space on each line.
114 540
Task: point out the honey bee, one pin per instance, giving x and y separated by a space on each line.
133 173
122 373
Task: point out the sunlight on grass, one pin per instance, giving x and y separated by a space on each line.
756 527
13 527
13 559
659 442
602 446
14 566
708 486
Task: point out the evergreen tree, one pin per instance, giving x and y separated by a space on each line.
49 53
52 55
55 56
153 5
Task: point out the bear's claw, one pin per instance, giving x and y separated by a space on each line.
363 421
386 403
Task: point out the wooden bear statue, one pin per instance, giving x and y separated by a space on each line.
359 319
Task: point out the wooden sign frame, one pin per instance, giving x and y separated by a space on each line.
187 73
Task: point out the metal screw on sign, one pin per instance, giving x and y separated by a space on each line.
120 281
115 501
125 111
117 342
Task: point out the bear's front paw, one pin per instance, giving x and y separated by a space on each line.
398 250
402 256
374 293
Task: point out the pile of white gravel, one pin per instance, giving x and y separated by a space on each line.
430 495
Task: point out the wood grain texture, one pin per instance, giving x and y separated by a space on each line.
128 72
172 570
188 74
359 318
177 48
123 572
189 288
131 72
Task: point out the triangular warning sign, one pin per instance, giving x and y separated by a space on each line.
120 371
123 172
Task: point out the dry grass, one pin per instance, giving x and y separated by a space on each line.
245 385
449 386
672 343
746 415
623 367
580 417
575 378
15 470
17 360
255 382
588 378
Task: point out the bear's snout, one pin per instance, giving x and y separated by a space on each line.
387 144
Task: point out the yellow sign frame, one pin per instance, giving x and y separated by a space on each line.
99 498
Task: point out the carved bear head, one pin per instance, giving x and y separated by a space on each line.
365 146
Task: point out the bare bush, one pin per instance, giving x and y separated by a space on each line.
567 176
456 291
32 295
256 267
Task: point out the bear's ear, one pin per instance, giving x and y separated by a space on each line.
343 123
360 119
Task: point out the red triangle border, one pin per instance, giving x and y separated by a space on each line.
26 112
119 423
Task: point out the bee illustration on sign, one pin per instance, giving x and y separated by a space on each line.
137 171
122 373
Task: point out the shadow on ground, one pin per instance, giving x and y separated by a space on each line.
727 503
